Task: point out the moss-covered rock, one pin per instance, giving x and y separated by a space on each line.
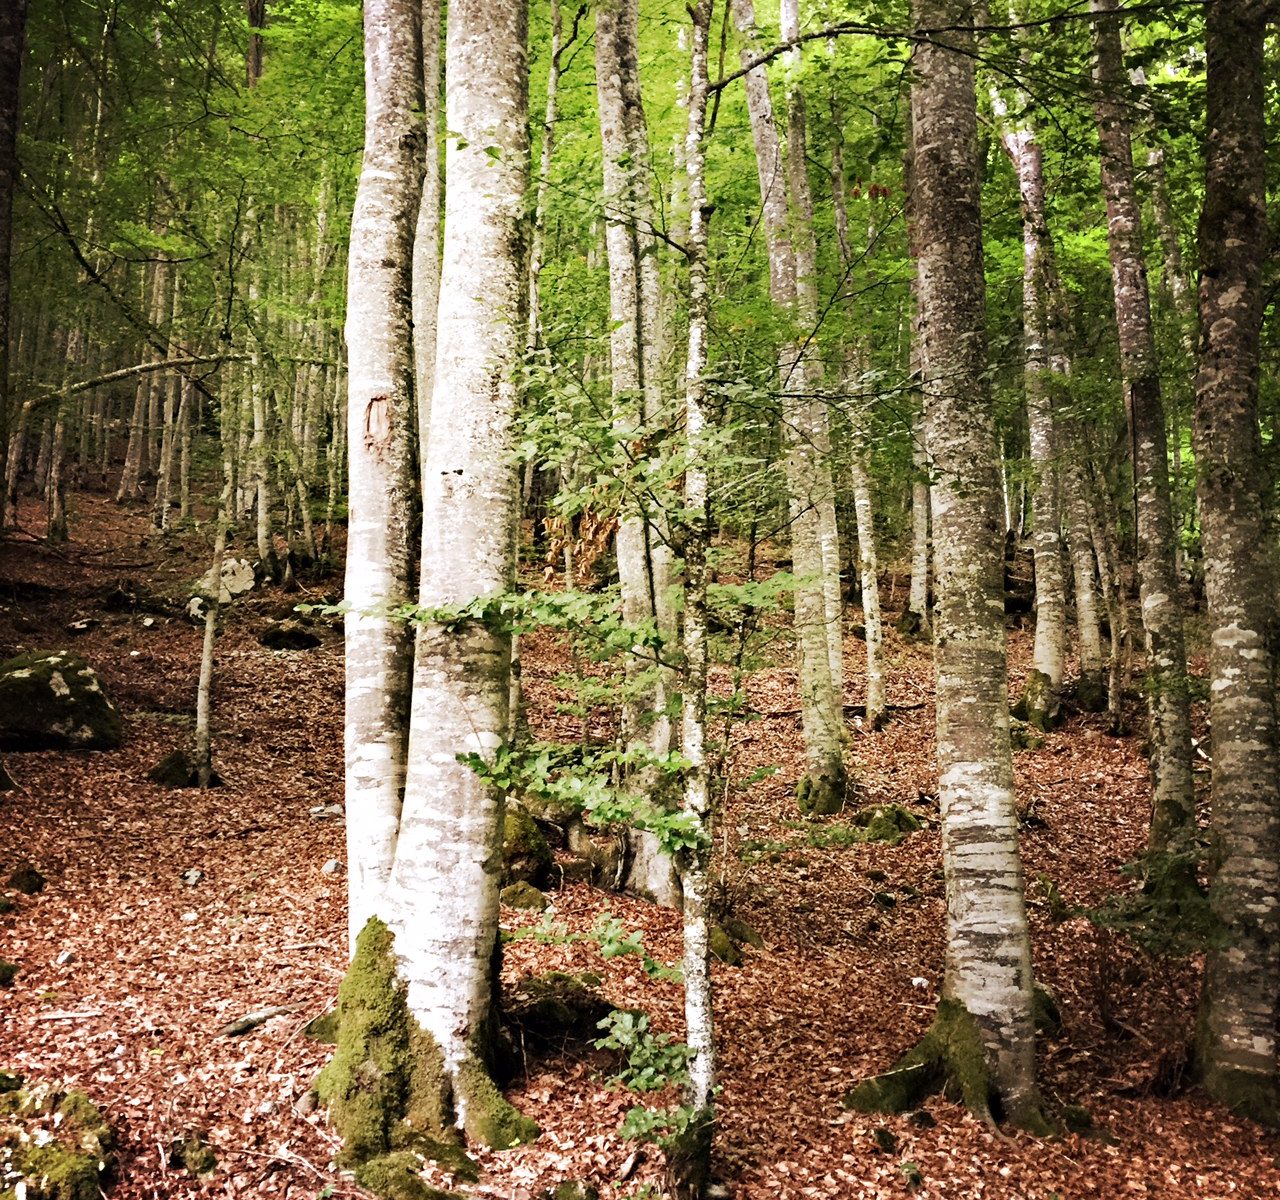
1045 1012
526 857
557 1007
743 934
8 973
888 823
7 904
53 700
1091 692
54 1146
27 880
523 895
912 626
1022 736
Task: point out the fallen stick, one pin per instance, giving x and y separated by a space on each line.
259 1016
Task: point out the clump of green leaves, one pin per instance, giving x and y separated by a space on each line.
651 1060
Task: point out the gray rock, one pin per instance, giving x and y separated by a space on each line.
332 867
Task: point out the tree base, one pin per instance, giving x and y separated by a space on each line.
950 1059
1039 704
1245 1093
689 1158
823 795
913 626
1091 692
388 1091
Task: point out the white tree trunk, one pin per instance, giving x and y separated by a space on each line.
379 338
443 896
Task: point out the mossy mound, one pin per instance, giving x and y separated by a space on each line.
1022 736
27 880
571 1190
53 1145
396 1176
174 770
8 973
722 946
888 823
1045 1012
557 1007
7 904
53 700
1091 692
192 1153
523 895
289 634
526 857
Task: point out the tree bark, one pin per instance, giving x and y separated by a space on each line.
1238 1043
379 648
1173 795
443 895
13 23
988 959
825 782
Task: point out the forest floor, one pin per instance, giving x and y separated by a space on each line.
127 973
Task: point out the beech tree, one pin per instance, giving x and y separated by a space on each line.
983 1038
1237 1047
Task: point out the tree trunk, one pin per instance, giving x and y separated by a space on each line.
643 550
379 335
13 20
1173 796
426 240
691 1161
1238 1043
443 895
1040 703
987 984
825 781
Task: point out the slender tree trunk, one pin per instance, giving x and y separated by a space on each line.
1173 795
825 781
643 551
1238 1042
13 20
1091 694
443 895
693 1160
1040 703
379 335
987 984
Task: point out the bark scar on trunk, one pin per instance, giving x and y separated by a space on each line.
377 425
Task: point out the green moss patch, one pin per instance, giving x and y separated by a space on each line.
53 1146
888 823
53 700
526 856
523 895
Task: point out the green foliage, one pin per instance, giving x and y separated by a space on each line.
652 1061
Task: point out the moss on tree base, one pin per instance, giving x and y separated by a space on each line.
823 795
1039 704
1091 692
949 1059
1245 1093
387 1089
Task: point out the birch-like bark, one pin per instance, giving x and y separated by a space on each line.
1241 1001
1040 703
988 957
822 716
643 544
697 965
444 889
1091 688
380 375
154 300
426 241
807 372
1173 795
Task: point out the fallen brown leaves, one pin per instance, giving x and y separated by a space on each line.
128 974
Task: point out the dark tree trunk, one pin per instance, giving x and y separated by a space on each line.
13 19
1173 798
1237 1050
